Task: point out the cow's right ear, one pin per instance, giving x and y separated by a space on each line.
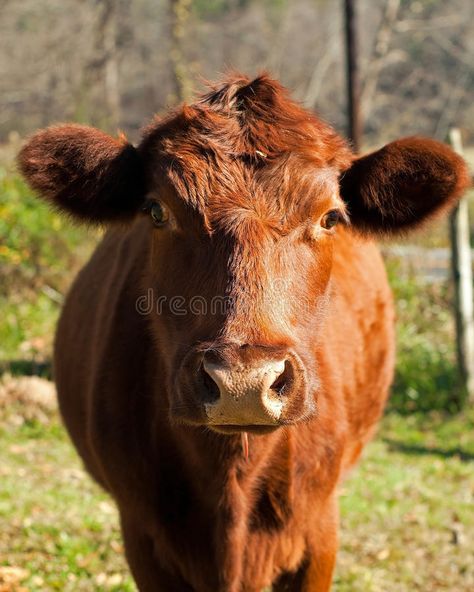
402 185
84 172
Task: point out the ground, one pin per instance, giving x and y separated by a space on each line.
407 518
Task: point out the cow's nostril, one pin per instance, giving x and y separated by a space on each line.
282 383
211 389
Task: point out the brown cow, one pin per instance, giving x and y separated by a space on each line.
225 355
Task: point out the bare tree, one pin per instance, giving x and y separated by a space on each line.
115 62
180 10
380 55
102 69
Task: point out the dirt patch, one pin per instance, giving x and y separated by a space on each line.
26 398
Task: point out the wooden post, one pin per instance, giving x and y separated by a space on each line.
463 282
352 69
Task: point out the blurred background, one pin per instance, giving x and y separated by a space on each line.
408 513
113 63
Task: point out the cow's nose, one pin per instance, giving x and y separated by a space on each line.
247 394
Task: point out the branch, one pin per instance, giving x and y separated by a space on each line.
379 54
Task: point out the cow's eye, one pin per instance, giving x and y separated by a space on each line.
330 219
159 213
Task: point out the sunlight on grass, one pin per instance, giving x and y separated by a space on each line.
55 524
407 513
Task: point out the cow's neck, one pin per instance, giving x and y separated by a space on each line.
246 495
220 458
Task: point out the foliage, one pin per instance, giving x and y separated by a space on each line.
37 245
426 372
36 241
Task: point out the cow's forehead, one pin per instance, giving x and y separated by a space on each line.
281 196
246 144
247 120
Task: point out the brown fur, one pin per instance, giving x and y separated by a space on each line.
248 176
393 184
84 171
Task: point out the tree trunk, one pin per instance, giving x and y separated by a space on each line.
180 10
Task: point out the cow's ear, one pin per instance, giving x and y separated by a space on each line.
85 172
402 184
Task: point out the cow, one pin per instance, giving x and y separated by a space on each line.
227 351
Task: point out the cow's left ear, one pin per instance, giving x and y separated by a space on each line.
84 172
402 184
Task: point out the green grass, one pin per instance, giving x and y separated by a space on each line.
426 376
407 516
55 524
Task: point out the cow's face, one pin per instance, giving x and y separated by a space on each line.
239 285
244 195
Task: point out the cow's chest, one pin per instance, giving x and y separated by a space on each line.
244 541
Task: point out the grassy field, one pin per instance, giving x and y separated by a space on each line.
58 531
407 511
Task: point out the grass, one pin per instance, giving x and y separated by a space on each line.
407 517
426 375
57 529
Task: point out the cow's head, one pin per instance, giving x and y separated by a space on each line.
244 194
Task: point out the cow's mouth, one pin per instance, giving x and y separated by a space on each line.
244 430
239 429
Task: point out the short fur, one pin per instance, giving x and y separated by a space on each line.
248 177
